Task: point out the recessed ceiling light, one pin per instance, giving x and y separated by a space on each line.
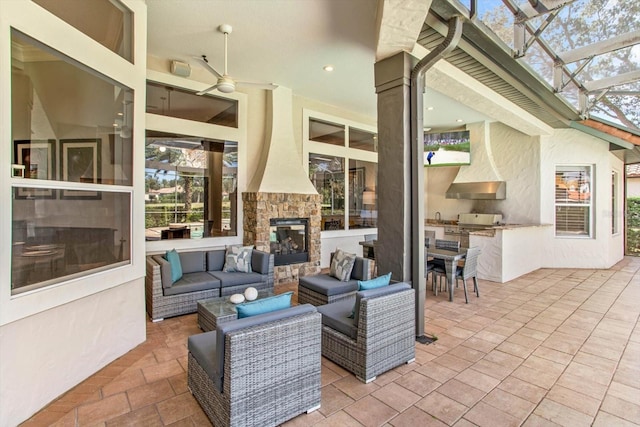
429 108
459 120
328 68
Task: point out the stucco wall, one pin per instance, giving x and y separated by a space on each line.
516 157
55 337
570 146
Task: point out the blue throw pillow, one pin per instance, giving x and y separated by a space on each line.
378 282
174 261
264 305
374 283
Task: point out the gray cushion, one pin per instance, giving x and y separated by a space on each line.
336 316
260 262
203 349
215 259
165 271
235 278
192 262
234 325
193 282
328 285
359 269
377 292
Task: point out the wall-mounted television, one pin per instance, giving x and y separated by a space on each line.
447 148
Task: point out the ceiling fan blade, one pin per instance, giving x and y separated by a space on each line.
204 61
207 90
267 86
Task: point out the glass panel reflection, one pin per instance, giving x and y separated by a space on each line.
327 175
108 22
326 132
54 240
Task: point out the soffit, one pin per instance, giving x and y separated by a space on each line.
480 56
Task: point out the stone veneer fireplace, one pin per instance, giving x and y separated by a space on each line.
261 208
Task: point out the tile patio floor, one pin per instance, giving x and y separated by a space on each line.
554 347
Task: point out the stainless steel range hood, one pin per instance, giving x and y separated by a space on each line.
485 190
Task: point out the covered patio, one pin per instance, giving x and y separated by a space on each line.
553 347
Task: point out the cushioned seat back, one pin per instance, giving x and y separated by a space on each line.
192 262
165 270
375 293
215 260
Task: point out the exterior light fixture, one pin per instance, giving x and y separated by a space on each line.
328 68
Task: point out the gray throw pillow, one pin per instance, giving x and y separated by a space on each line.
342 264
238 258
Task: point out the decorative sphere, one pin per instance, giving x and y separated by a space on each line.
236 298
250 294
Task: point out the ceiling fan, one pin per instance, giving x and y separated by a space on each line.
226 83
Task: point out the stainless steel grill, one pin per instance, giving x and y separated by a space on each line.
467 223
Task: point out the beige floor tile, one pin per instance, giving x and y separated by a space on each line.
396 396
302 420
537 421
354 388
452 362
478 344
103 410
478 380
461 392
485 415
515 349
418 383
604 419
327 376
333 400
437 372
575 400
553 355
510 403
561 414
339 419
467 353
621 408
178 407
494 370
147 416
150 393
414 417
162 370
523 389
582 385
536 377
624 392
370 412
441 407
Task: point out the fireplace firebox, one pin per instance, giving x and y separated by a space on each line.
288 240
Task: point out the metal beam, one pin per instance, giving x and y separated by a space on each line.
607 82
486 48
536 8
602 135
598 48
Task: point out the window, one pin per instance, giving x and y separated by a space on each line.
574 201
190 187
615 220
343 167
175 102
71 146
108 22
327 175
363 203
329 133
363 140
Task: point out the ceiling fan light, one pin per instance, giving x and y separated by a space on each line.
226 87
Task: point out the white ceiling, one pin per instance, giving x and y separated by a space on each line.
287 42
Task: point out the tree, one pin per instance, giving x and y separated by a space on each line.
579 24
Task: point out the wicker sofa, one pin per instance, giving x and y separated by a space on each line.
202 278
258 371
379 337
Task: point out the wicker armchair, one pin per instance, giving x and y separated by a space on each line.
258 371
381 335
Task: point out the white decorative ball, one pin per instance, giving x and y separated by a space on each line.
250 294
236 298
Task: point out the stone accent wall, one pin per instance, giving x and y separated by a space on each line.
259 208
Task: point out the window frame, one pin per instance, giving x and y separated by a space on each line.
589 206
343 151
